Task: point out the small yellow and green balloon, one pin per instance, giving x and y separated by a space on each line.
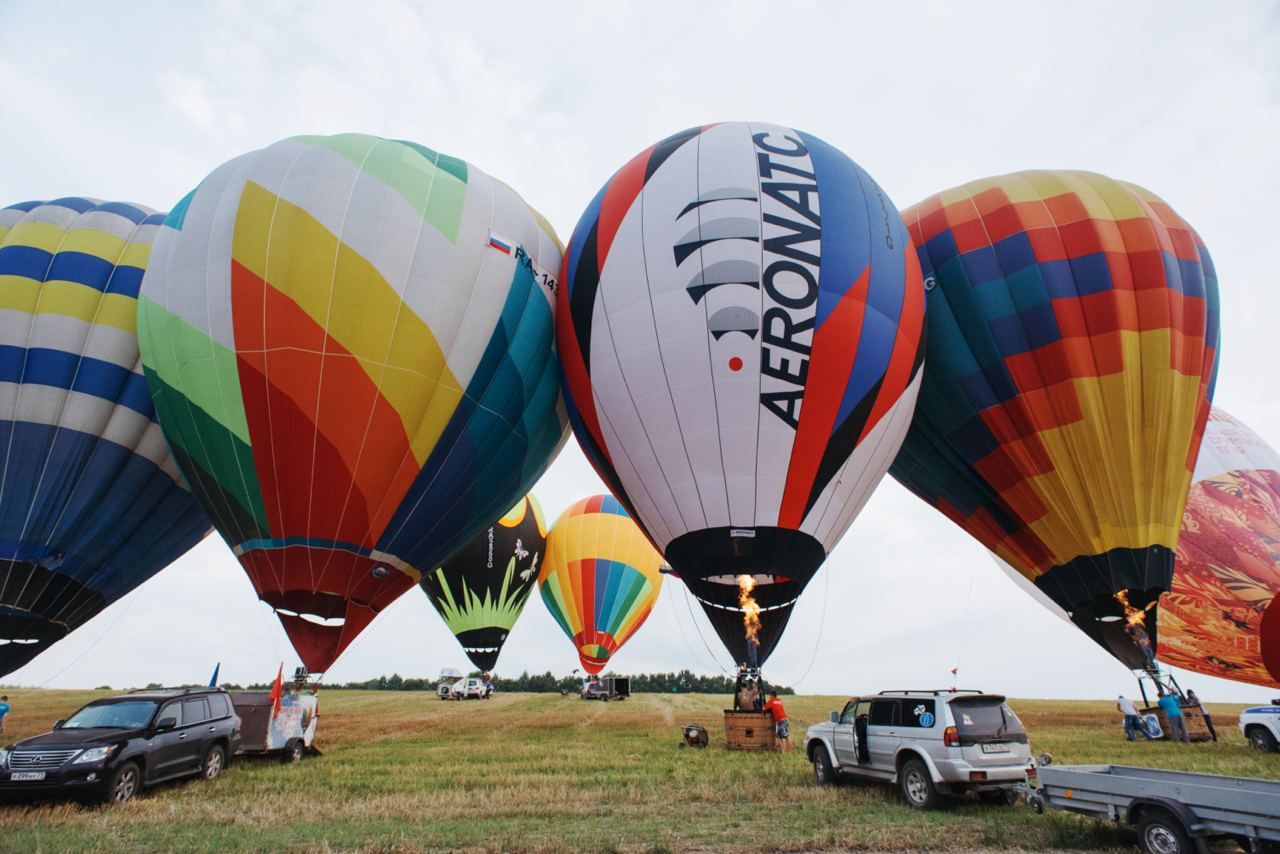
600 578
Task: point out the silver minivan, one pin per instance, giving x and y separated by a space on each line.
929 743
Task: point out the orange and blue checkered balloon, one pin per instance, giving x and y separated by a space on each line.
1072 330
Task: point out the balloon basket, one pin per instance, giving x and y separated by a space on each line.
749 730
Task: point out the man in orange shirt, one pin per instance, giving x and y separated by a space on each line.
781 725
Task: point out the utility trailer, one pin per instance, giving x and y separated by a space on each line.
1174 812
286 728
607 688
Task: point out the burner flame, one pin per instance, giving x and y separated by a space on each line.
1135 625
750 610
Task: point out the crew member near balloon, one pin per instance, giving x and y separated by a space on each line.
739 327
781 723
1072 347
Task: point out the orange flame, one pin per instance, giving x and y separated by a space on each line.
1135 625
750 608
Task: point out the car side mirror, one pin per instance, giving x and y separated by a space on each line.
59 722
834 717
166 723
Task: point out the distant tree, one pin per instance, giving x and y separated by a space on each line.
103 688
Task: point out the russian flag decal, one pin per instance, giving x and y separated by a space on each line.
503 246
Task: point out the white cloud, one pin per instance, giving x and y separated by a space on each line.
552 98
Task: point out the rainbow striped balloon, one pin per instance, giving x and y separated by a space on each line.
350 343
600 578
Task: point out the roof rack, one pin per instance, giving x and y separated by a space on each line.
936 691
191 689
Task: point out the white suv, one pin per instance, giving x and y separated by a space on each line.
469 689
930 743
1261 726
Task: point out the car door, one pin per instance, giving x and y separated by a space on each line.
168 748
199 730
842 738
882 732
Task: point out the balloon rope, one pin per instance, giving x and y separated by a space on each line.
699 629
964 624
94 645
817 643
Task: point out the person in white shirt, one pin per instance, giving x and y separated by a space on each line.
1131 719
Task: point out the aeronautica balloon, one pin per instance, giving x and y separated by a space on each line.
350 344
1220 617
481 589
1072 344
91 504
740 333
600 578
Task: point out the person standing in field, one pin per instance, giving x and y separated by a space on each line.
1193 700
1173 712
781 724
4 710
1132 721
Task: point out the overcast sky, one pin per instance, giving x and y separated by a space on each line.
138 102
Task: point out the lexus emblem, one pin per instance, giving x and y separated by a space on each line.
37 759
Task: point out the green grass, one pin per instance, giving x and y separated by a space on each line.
406 772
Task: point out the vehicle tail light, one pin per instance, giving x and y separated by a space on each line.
1031 772
977 775
950 737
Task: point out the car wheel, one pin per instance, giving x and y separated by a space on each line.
214 760
823 773
124 784
917 786
295 751
1262 739
1160 832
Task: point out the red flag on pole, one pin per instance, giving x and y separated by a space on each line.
276 690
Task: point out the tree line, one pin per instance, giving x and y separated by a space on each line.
683 682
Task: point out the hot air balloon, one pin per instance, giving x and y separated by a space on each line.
481 590
600 578
350 344
1072 340
740 335
1220 617
91 504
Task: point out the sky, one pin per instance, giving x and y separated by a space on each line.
139 101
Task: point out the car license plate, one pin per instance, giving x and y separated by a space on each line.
27 775
995 748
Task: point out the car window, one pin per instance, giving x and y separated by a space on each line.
981 719
124 714
846 717
884 713
195 710
173 710
919 713
218 706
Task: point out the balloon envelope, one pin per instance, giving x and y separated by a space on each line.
91 503
600 578
1072 340
350 344
1220 616
481 590
739 331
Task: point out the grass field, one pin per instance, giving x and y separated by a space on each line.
404 771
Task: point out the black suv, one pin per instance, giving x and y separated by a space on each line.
112 747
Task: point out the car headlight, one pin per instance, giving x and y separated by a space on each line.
4 757
94 754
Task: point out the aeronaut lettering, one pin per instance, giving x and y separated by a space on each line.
791 245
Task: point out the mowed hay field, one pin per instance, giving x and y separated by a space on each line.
530 772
